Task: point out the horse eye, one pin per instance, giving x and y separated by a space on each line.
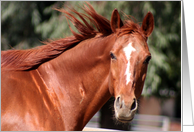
112 55
147 60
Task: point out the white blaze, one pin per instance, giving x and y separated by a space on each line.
128 51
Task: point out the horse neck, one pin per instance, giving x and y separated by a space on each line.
79 78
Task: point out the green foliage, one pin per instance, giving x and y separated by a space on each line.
25 24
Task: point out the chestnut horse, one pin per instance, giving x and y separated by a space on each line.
61 85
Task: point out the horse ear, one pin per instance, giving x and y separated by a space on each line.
115 21
148 24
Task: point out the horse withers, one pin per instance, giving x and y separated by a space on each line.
61 85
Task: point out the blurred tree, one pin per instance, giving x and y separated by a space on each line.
18 21
25 24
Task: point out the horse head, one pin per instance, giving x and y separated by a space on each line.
129 61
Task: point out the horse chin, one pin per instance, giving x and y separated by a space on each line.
125 120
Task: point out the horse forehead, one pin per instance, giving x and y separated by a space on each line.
128 49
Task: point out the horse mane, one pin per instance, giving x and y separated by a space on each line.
32 58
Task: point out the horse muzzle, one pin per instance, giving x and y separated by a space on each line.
124 112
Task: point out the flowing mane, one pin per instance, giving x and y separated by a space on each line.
32 58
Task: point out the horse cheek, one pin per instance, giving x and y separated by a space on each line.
111 84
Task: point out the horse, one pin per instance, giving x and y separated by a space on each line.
63 83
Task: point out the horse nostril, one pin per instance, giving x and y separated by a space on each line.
133 105
118 102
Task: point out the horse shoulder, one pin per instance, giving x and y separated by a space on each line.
24 99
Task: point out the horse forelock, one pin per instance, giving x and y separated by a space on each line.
32 58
